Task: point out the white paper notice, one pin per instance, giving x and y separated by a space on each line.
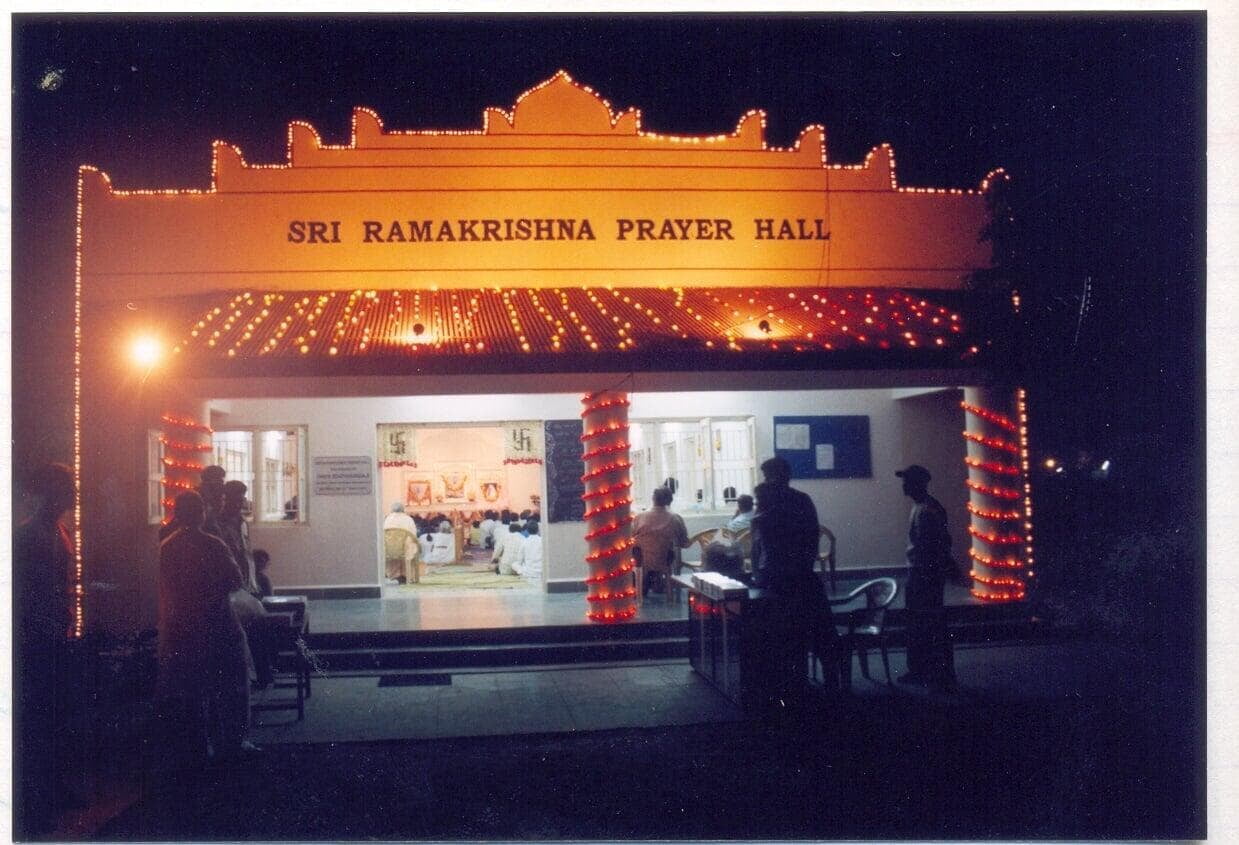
791 436
825 456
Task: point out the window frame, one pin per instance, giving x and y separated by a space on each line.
257 493
653 446
155 449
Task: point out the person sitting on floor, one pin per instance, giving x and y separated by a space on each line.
509 553
475 535
488 529
531 562
442 545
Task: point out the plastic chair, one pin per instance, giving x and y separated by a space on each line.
826 557
745 539
647 564
400 545
866 626
702 539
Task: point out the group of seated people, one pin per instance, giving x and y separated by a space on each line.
660 534
517 546
412 540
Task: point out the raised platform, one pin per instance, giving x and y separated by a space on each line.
509 629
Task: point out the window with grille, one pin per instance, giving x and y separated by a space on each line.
271 462
154 477
707 462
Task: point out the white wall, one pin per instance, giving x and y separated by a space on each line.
339 543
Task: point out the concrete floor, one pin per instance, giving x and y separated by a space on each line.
344 709
487 703
472 609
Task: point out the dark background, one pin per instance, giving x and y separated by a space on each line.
1099 120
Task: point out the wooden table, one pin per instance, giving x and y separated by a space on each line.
288 622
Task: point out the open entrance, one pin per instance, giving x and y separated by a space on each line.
455 458
450 495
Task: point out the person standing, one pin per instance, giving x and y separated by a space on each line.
785 540
235 531
43 617
930 658
203 682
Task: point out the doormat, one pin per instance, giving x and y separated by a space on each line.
433 680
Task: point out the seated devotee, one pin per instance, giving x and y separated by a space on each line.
509 553
475 535
401 550
442 545
659 534
743 520
488 529
724 557
531 562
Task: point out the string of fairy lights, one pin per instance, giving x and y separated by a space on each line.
1003 573
607 496
569 321
427 321
182 461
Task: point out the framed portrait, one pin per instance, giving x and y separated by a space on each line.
418 490
492 487
455 483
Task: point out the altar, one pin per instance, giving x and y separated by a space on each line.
461 472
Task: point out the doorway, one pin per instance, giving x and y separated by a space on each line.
456 485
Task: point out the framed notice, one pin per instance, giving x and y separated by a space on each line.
348 475
824 447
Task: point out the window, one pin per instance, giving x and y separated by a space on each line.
707 462
154 477
271 463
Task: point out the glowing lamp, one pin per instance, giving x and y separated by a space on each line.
1050 463
145 351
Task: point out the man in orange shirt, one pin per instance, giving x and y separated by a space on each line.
659 534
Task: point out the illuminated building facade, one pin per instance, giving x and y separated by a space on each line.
496 275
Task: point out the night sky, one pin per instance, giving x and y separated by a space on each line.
1100 121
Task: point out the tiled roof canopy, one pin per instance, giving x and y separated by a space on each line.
574 324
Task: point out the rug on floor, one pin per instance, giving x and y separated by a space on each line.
464 577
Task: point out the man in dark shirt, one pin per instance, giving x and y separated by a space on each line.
785 541
930 659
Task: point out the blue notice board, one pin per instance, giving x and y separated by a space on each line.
824 447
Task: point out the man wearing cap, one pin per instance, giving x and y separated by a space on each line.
930 660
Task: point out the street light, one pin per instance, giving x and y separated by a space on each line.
146 351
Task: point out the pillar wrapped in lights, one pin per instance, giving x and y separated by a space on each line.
186 451
611 594
999 493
